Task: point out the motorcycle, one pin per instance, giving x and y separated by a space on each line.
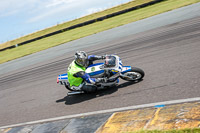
112 69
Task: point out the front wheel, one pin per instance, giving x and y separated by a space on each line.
136 74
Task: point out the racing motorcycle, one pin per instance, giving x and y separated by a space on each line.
112 69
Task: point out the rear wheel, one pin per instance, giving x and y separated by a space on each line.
136 74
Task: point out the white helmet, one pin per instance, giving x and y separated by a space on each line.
81 58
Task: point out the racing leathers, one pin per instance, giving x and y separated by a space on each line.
77 74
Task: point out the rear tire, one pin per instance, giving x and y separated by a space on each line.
136 74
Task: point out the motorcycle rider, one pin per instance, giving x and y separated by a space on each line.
77 75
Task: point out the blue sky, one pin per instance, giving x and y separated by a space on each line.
22 17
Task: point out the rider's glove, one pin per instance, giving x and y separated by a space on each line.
103 57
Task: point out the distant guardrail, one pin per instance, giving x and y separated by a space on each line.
85 23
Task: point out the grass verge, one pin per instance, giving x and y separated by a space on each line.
67 36
73 22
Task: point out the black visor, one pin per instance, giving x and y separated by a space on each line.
81 62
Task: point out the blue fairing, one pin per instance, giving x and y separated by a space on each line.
96 73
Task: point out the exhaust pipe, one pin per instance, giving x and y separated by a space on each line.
74 93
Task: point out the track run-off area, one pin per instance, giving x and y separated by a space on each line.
165 46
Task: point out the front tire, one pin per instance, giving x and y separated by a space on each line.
136 74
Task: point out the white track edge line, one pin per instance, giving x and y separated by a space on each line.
104 111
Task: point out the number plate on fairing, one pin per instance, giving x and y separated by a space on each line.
95 69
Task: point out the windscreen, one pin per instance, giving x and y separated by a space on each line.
110 61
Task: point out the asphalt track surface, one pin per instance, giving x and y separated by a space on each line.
169 55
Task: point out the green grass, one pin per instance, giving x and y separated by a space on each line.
70 35
73 22
195 130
